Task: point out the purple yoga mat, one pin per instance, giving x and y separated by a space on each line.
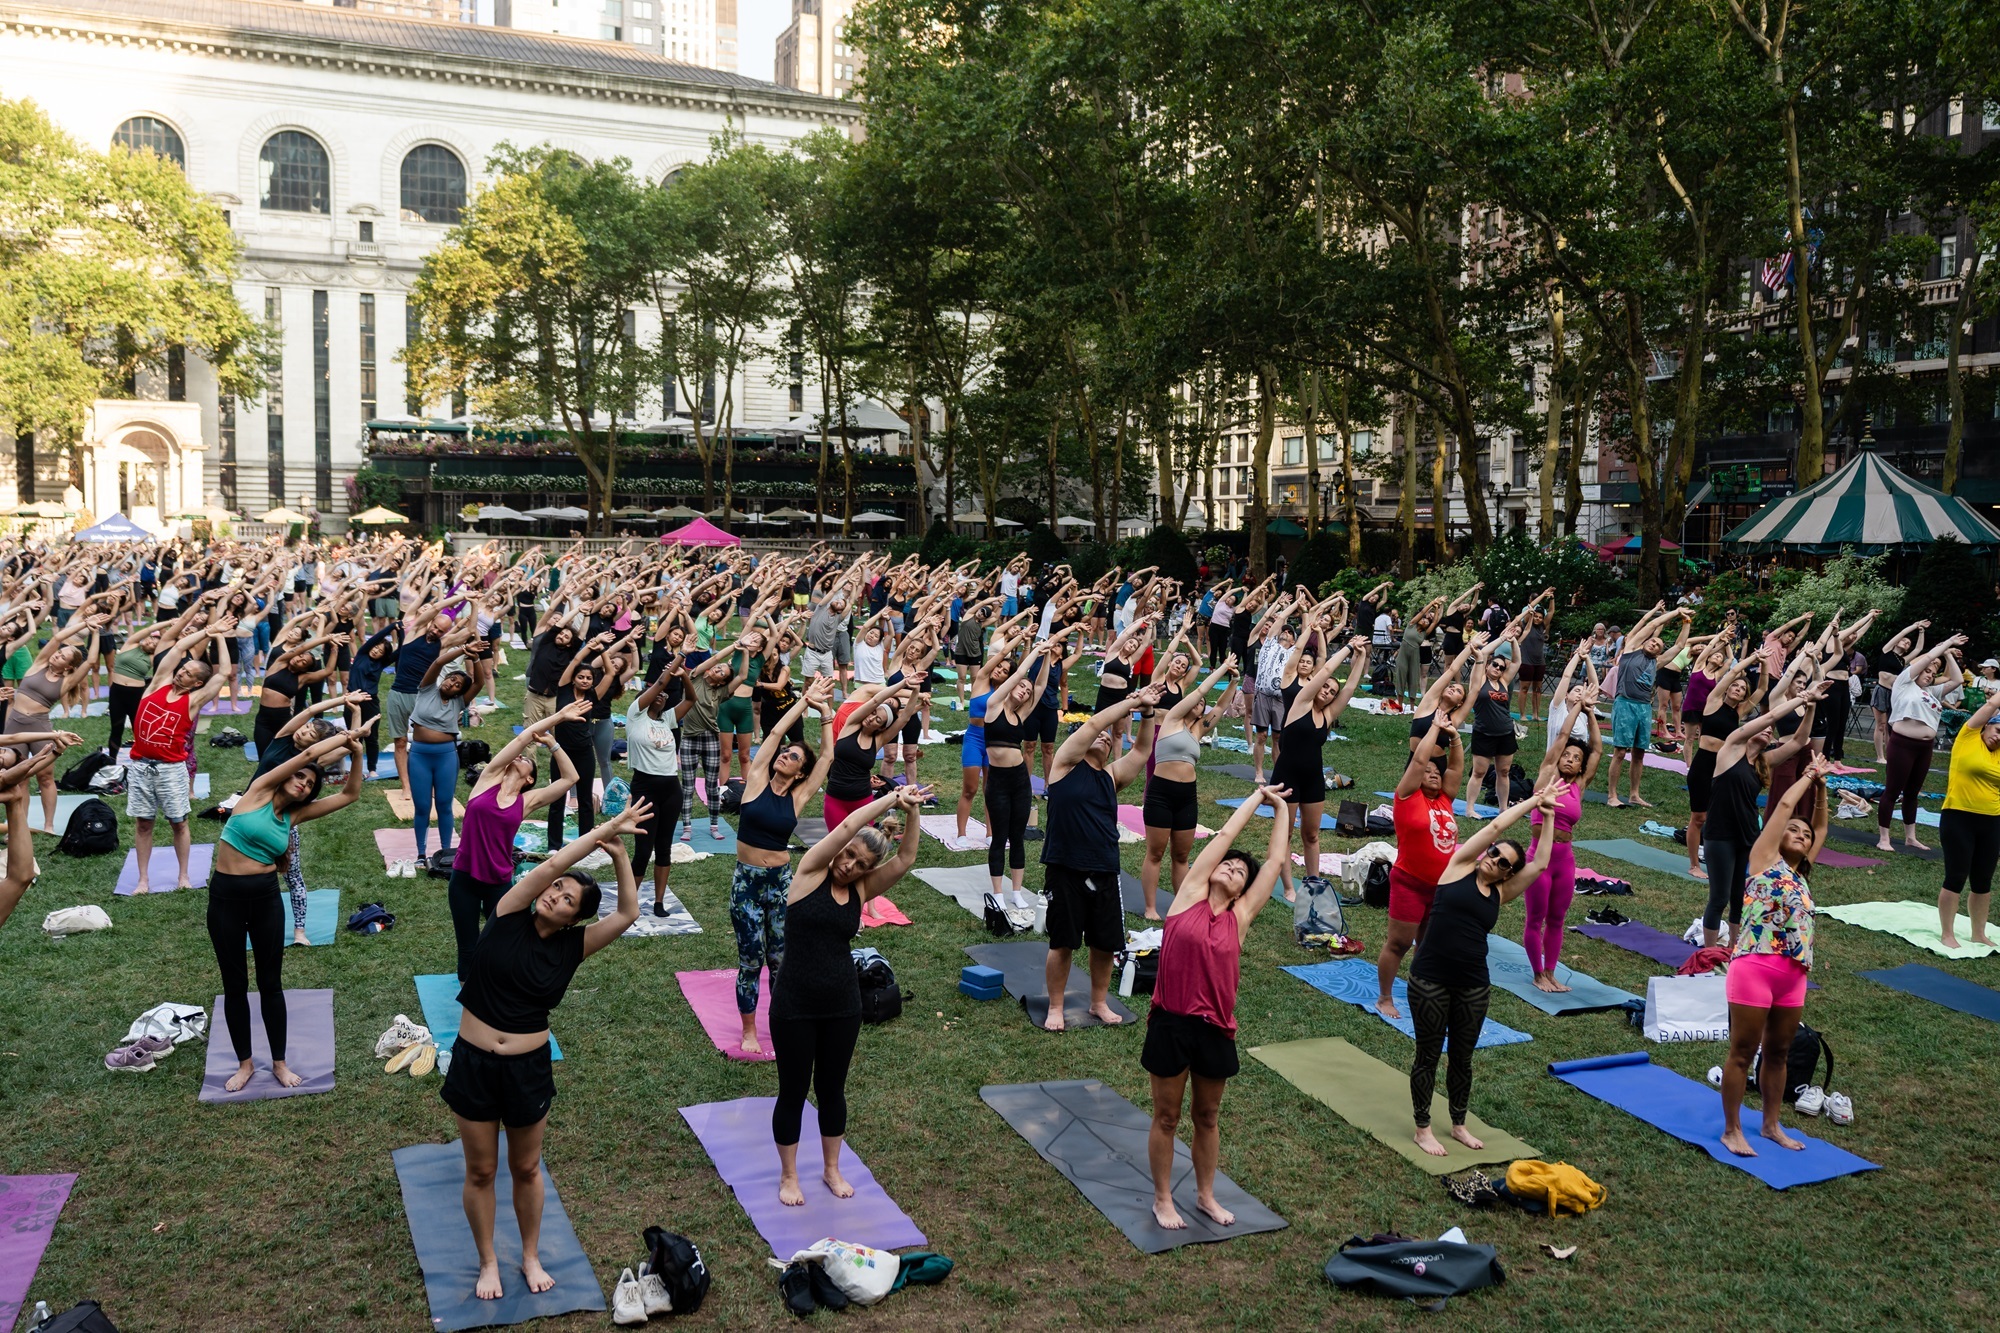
216 707
309 1023
1842 861
712 996
29 1206
1647 942
164 870
737 1138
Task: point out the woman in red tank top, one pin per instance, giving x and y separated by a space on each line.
1192 1026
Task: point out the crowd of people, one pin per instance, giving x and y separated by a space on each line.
716 659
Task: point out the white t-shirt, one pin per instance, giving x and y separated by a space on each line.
650 745
1911 702
1559 714
868 664
1385 627
1010 583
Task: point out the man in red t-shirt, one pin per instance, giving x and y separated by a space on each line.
1426 836
156 779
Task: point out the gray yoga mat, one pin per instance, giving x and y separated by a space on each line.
1097 1140
309 1050
432 1174
1022 965
1133 893
965 885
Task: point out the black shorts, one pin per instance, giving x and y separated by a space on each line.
1532 673
1084 909
1109 694
108 645
1170 804
1307 782
913 730
962 660
1042 725
1177 1043
1701 780
1668 681
515 1090
234 647
1494 747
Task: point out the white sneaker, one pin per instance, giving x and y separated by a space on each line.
1840 1108
627 1306
1812 1099
653 1292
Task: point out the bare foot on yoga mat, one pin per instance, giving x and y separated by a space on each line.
1777 1135
538 1276
1559 988
1980 938
1221 1216
751 1046
1104 1014
1387 1008
1882 844
1641 802
1915 846
1544 983
141 887
236 1080
789 1193
488 1287
837 1183
1168 1216
1950 940
1697 872
1464 1135
299 937
1734 1141
283 1073
1054 1022
1614 803
1429 1142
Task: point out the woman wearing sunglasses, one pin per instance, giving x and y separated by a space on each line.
1449 987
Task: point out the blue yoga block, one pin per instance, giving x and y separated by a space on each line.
966 988
981 983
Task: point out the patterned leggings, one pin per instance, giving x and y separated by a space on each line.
1437 1010
757 910
701 757
295 881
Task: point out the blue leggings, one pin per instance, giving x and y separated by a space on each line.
433 779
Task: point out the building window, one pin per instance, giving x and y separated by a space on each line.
433 185
1520 458
365 233
274 403
642 9
1948 255
1295 450
1288 494
322 401
24 466
609 33
177 374
367 356
1326 448
294 174
149 134
642 36
1990 117
614 9
225 432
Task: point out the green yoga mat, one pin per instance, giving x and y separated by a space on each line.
1915 922
1638 854
1375 1098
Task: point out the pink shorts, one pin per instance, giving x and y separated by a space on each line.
834 810
1767 981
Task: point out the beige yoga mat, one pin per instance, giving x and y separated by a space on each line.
1375 1098
405 809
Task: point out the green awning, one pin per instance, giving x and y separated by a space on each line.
1283 527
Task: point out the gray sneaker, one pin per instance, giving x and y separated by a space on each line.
157 1047
129 1060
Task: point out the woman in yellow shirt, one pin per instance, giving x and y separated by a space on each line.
1970 825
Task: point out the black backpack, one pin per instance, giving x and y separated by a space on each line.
732 796
1375 888
1422 1270
678 1264
92 830
440 863
79 774
474 752
83 1317
881 997
229 738
1802 1063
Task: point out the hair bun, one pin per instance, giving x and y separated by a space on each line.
892 824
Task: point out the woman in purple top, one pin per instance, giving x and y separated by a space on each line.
505 794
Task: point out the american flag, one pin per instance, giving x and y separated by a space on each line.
1778 272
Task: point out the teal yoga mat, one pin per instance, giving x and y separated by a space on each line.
1354 980
1638 854
1916 923
437 993
322 918
1507 965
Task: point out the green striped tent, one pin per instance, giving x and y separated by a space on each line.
1867 505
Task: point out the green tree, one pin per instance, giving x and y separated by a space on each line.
1954 591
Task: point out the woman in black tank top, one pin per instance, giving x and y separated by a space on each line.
1728 699
1009 790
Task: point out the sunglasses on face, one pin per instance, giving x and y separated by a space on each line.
1506 863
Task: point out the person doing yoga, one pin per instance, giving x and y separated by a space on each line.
1171 805
156 778
243 895
1449 985
1546 903
1770 959
1010 711
1743 765
1426 837
1191 1026
1915 706
17 766
816 995
500 1072
1969 828
1300 767
1728 696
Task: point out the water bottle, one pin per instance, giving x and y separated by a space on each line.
42 1315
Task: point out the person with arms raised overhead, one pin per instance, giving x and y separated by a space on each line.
1632 705
1426 837
1970 825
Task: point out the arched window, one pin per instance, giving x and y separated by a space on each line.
151 134
294 174
433 185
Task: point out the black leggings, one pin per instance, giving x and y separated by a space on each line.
584 757
812 1052
267 725
1009 797
249 904
1909 764
665 794
472 902
524 623
1971 848
371 718
1437 1010
124 706
1728 865
1836 706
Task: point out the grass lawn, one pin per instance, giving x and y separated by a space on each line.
286 1214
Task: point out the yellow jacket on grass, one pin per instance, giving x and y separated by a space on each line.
1558 1184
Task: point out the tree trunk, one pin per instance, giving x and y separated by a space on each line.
1173 508
1573 473
1644 464
1552 439
1055 438
1954 377
1812 425
1312 454
1260 468
1118 468
950 456
819 477
1441 496
1406 507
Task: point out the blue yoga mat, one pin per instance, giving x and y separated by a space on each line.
437 993
1928 983
1692 1113
702 842
322 918
1457 807
1325 820
1355 981
1507 966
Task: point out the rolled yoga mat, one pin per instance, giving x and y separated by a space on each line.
29 1206
1692 1113
437 996
1638 854
164 870
1355 981
1508 968
1916 923
965 885
1023 968
308 1042
1097 1140
432 1176
712 996
1375 1099
737 1137
1928 983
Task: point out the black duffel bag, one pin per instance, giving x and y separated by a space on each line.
1423 1270
84 1317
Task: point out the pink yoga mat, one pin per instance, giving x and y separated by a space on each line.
885 912
29 1206
1842 861
1671 765
712 996
163 872
396 844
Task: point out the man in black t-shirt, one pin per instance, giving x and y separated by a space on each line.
548 657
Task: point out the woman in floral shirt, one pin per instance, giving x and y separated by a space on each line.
1773 953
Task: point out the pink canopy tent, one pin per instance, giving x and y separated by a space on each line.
699 532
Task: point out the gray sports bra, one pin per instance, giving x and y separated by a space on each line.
39 687
1182 747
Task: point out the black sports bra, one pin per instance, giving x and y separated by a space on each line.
1002 732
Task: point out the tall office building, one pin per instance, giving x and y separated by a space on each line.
693 32
813 55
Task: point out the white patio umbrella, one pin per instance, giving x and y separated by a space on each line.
1068 521
488 513
876 516
678 511
790 516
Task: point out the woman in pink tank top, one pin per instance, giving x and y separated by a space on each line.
1192 1027
1548 898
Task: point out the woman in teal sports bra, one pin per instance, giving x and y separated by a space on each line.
243 895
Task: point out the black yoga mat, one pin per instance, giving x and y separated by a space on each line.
1133 894
1097 1140
1022 965
1856 835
